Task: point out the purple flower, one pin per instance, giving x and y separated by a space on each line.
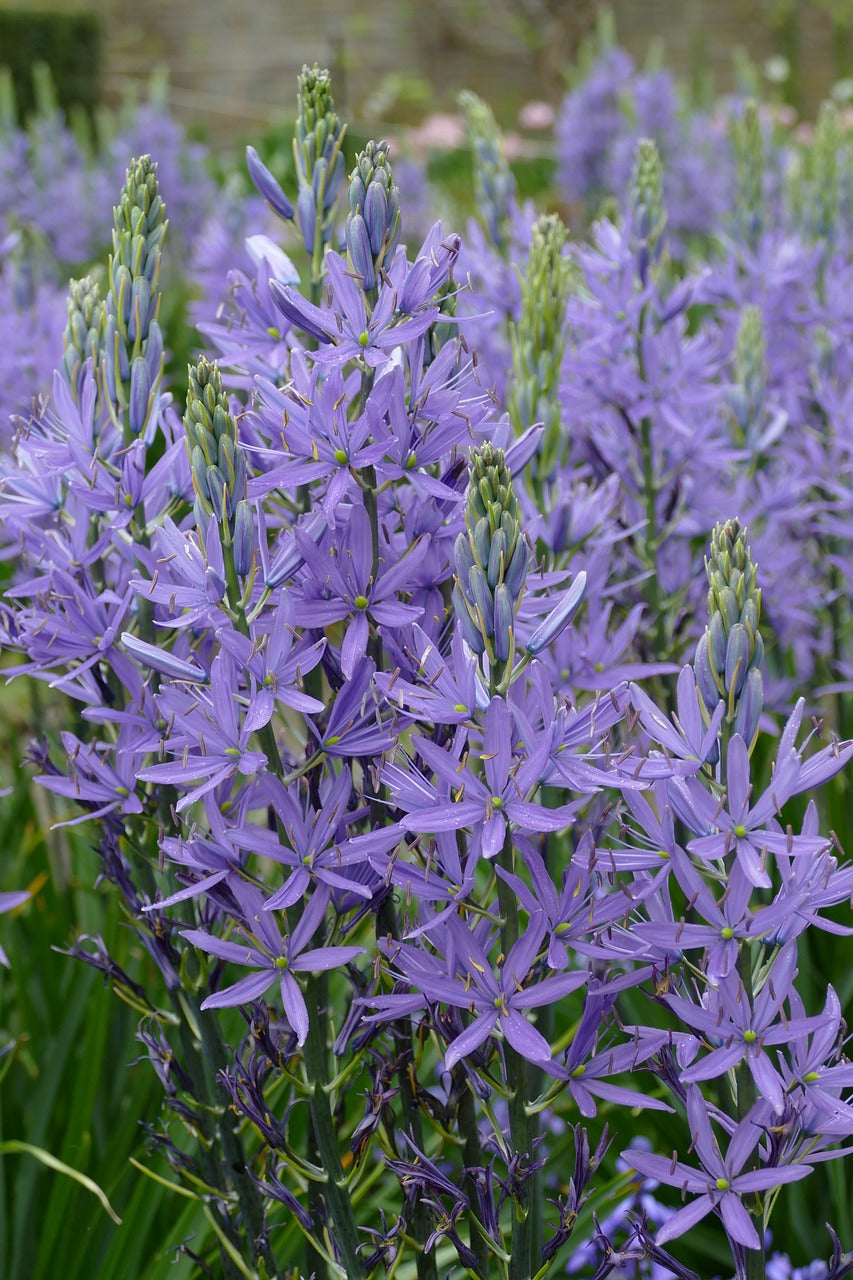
742 828
495 999
740 1028
348 330
213 726
489 803
719 1184
274 957
346 585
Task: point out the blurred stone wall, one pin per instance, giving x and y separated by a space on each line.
232 63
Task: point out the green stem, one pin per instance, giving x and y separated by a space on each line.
337 1195
315 1262
197 1069
746 1097
401 1032
526 1223
649 552
232 1148
473 1160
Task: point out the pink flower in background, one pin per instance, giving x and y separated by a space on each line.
439 132
536 115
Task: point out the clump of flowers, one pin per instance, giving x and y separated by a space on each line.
369 762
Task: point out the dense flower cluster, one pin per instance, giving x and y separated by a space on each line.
358 652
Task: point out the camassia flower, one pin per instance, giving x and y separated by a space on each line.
494 995
489 803
274 957
739 1029
719 1184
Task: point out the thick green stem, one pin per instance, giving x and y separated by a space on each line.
526 1223
337 1195
473 1160
248 1196
401 1031
210 1169
746 1097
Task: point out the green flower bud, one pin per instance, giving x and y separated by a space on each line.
491 561
318 137
648 213
747 397
373 225
83 338
730 656
825 175
538 341
219 473
319 161
132 302
747 143
494 184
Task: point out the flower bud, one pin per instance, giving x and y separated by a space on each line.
84 333
747 144
749 708
490 560
732 648
559 617
219 472
358 250
131 329
503 623
318 158
140 396
703 669
267 186
374 202
306 213
494 184
244 538
737 659
538 342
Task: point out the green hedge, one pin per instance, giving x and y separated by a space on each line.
68 43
